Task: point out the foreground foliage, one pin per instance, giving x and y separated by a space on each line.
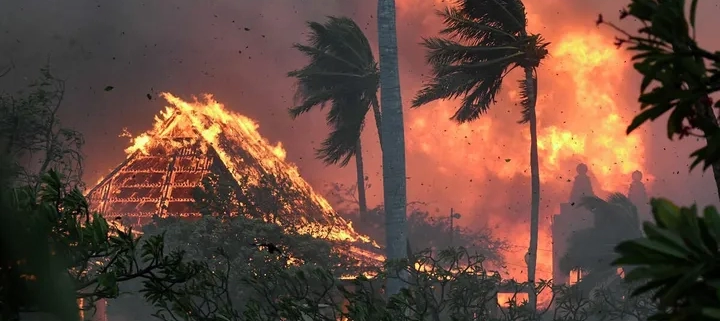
454 285
32 139
678 76
55 251
426 230
678 261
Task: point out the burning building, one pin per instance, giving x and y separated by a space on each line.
192 143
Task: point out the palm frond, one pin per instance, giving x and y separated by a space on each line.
341 73
340 146
617 212
509 15
477 86
592 249
528 97
463 27
446 52
486 39
471 64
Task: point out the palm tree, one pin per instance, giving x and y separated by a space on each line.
343 73
592 249
484 41
393 141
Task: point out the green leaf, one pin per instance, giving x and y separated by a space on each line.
649 114
649 286
662 235
711 312
666 213
682 285
650 248
712 219
691 229
675 123
693 13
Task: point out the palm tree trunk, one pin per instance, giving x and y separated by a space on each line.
393 142
531 82
362 201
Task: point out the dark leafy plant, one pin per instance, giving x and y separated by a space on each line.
426 230
677 261
678 75
613 301
55 251
452 286
32 136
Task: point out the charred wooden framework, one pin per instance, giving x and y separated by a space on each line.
160 179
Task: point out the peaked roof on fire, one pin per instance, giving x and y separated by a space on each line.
193 143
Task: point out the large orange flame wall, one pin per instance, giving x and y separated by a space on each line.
583 110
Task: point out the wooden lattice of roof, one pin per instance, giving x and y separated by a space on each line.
194 141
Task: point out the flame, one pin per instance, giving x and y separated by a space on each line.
212 122
483 166
506 299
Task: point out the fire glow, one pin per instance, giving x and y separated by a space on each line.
483 167
188 121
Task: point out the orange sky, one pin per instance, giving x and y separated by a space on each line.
190 47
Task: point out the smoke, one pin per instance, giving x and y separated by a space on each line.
240 51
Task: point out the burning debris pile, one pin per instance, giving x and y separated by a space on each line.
202 145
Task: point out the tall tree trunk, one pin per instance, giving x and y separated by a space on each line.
532 83
393 141
362 201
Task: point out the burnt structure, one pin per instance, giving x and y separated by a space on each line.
196 145
573 217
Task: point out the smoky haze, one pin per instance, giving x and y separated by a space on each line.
240 51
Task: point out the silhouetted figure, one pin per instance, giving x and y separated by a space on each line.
638 195
572 217
582 186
